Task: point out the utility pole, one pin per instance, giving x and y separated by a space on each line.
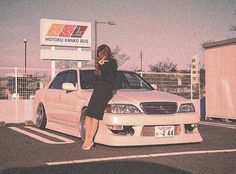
25 42
95 35
141 58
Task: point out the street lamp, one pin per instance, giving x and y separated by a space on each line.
25 41
95 36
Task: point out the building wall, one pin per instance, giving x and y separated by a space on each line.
220 64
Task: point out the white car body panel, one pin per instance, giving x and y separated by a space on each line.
63 111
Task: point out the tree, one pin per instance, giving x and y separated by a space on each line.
65 64
121 58
233 27
165 66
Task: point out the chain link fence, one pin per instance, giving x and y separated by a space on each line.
175 83
18 86
18 83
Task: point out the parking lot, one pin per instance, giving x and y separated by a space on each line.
24 149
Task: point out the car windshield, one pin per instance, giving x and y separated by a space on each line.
124 80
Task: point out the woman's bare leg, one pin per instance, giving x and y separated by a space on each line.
88 125
91 126
94 128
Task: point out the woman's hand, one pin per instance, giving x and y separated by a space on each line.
103 60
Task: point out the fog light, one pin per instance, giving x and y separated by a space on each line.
194 125
121 130
115 127
190 127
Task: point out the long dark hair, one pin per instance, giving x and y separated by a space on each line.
103 50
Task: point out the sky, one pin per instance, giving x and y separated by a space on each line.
161 29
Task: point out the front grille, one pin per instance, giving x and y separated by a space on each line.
150 130
159 107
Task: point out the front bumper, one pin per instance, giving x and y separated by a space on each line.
139 121
143 119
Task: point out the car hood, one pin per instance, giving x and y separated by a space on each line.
138 96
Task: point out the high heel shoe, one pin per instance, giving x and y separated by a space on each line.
89 147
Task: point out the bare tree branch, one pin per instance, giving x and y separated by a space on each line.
165 66
120 58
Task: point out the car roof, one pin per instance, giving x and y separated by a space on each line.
93 69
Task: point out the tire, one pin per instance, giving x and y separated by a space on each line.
82 124
41 119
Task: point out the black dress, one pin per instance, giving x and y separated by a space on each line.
102 93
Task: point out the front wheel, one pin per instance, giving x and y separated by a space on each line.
82 124
41 119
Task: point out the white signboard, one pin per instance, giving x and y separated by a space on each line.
65 55
195 70
65 33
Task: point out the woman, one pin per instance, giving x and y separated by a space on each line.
106 68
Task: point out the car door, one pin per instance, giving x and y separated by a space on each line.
69 102
61 104
52 97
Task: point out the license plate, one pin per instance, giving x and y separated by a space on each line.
164 131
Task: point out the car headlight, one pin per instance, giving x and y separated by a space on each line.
186 107
122 109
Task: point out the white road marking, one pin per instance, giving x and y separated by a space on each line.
97 159
45 140
230 126
50 134
140 156
193 152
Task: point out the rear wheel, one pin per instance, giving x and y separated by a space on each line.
82 124
41 119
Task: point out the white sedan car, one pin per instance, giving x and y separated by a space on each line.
136 115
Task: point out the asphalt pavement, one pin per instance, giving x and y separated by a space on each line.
25 150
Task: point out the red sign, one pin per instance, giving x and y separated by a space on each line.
61 30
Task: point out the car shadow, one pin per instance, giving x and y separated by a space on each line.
108 167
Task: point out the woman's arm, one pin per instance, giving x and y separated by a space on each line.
108 67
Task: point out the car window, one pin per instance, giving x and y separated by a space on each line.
69 76
87 78
133 81
124 80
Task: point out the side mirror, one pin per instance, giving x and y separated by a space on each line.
154 86
69 87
